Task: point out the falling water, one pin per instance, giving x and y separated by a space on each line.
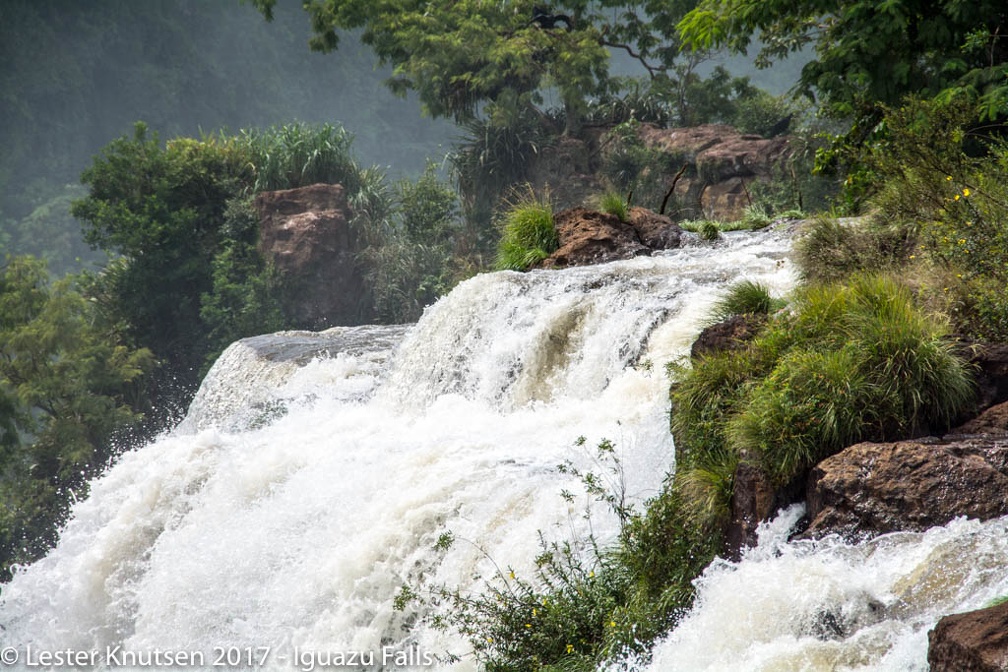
831 605
315 474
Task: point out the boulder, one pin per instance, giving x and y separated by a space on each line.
976 641
991 361
874 488
306 234
730 334
653 230
754 499
590 237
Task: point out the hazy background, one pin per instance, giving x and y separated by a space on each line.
76 74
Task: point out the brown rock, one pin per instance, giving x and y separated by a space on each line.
992 422
306 234
589 237
730 334
654 230
725 163
976 641
754 500
873 488
991 360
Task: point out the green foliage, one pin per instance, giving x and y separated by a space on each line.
50 232
65 391
745 298
162 209
299 155
830 249
246 295
529 234
493 155
583 604
846 363
615 204
409 262
474 57
947 185
866 52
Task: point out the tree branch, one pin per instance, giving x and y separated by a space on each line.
653 71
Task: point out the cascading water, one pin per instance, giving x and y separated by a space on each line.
315 473
830 605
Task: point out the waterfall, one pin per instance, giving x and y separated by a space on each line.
315 473
831 605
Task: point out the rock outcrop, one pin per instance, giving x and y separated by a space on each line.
873 488
725 163
591 237
730 334
976 641
722 166
306 234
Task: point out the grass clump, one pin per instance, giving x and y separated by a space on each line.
846 363
745 298
529 233
612 203
707 229
829 249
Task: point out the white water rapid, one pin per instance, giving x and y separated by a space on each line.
315 473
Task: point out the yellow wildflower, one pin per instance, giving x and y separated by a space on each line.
570 648
966 191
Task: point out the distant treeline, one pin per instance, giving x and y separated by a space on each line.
77 75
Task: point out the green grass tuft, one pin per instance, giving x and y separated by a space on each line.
612 203
745 298
529 233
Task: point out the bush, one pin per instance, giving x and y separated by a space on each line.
846 363
529 233
745 298
830 250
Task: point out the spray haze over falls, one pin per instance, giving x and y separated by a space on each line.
296 499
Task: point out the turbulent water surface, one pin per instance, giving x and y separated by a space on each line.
315 474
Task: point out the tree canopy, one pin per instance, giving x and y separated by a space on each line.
869 52
471 57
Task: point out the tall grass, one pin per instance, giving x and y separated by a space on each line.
529 233
298 155
745 298
613 203
845 363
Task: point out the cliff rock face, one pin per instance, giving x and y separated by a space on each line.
306 234
727 164
976 641
723 165
590 237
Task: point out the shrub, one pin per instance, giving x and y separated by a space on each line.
830 249
846 363
529 233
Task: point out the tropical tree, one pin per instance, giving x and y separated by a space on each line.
67 397
869 52
472 59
